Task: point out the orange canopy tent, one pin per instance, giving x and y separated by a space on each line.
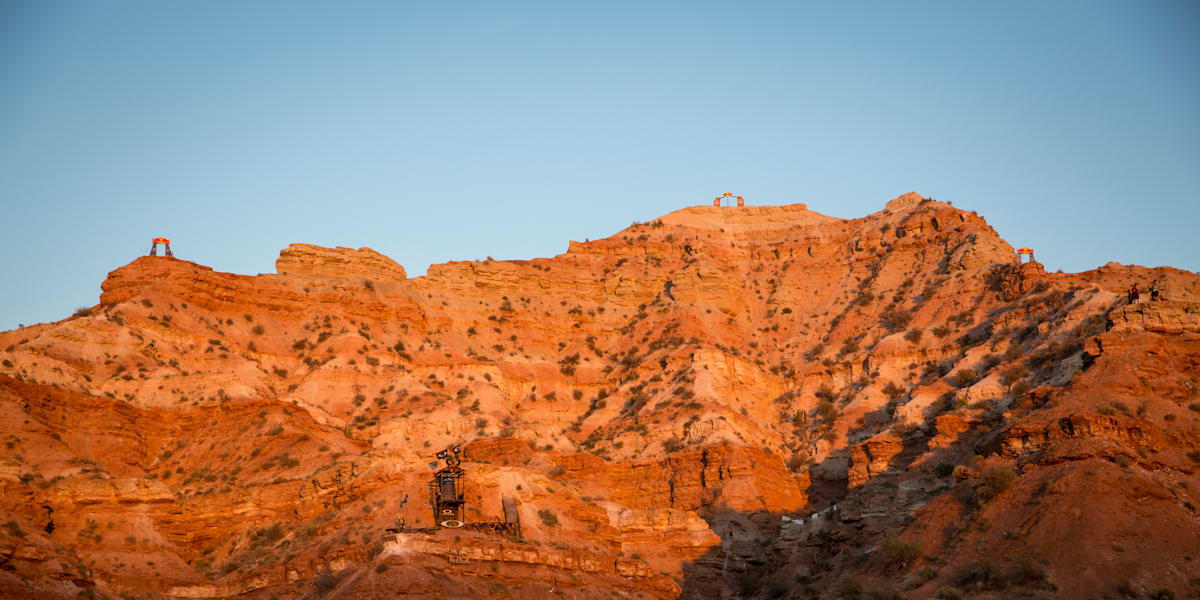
160 240
717 201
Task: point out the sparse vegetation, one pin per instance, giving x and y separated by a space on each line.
549 519
893 319
14 529
899 554
948 592
325 582
963 378
996 481
893 391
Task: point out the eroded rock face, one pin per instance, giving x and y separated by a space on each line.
873 457
654 403
314 262
1169 317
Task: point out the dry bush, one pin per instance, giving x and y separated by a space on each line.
996 481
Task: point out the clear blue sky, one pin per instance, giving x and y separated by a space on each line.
507 128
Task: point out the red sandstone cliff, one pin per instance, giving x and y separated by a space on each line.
724 402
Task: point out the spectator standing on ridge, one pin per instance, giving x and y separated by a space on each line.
1154 291
1133 294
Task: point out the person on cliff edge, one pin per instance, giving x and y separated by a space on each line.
1133 294
1154 291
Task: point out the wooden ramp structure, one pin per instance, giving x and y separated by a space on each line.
447 499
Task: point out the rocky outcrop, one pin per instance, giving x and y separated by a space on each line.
1167 316
873 457
306 261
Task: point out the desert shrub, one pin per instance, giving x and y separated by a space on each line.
948 593
963 378
549 519
996 481
14 529
796 462
1026 573
1194 455
1162 593
1125 589
981 574
1013 374
876 591
988 362
893 391
941 331
266 535
849 587
921 577
894 319
977 335
943 469
82 311
672 445
381 567
325 582
943 368
567 365
900 554
913 335
825 409
258 330
231 565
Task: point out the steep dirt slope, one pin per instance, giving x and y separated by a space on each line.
723 402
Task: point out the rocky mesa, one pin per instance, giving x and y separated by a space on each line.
724 402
